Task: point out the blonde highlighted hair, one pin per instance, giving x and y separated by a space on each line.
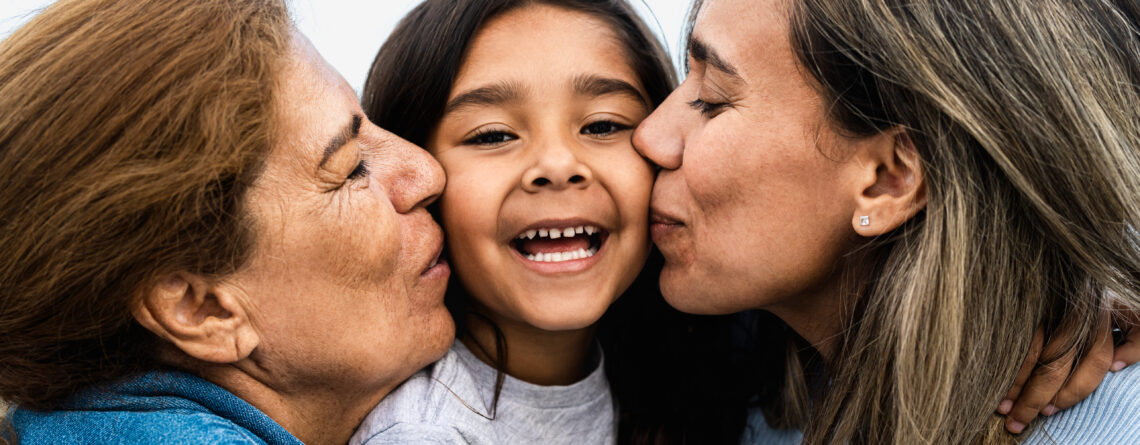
1025 117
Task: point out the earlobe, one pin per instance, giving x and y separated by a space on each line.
892 187
204 320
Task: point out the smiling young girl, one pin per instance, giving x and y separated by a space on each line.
530 107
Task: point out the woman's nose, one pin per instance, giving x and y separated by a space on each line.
556 167
418 178
661 136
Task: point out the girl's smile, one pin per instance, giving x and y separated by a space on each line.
560 246
546 207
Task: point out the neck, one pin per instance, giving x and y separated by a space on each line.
819 314
533 355
314 414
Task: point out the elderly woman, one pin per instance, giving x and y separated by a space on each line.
913 187
204 240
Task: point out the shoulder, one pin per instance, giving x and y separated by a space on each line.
411 433
440 400
156 407
758 432
175 426
1110 415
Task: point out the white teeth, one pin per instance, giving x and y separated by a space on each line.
568 232
558 257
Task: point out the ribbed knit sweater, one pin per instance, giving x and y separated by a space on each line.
1110 416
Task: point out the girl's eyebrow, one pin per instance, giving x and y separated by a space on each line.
592 85
490 95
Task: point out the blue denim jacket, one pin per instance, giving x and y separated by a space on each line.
167 407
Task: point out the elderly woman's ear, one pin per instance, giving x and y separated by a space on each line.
889 186
205 320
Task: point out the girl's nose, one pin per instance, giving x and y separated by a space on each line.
556 167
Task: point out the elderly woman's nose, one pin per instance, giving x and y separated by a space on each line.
556 167
661 137
419 179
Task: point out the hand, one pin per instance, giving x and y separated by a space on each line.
1049 388
1128 345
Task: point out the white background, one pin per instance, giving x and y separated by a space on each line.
349 32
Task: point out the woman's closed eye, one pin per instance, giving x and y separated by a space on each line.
604 128
360 171
708 109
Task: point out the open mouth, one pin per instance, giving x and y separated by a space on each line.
554 245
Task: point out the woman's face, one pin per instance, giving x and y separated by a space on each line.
546 207
749 209
343 280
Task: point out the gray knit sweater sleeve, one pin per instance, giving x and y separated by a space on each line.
1110 416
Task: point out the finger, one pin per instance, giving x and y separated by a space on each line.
1044 383
1089 371
1128 352
1023 375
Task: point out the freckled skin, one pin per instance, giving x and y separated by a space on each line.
335 282
764 212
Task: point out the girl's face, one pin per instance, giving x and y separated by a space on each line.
546 204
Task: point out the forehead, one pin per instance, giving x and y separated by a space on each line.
312 99
749 34
543 42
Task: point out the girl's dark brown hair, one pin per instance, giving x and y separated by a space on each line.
667 378
129 133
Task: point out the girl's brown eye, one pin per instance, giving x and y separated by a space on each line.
604 128
490 138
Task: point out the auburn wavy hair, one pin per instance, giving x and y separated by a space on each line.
129 133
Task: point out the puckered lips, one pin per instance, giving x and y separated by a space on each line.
560 246
662 224
437 266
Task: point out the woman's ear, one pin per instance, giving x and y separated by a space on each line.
891 187
204 320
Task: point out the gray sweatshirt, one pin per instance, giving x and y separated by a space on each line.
450 402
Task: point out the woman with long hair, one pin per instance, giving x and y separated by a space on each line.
913 187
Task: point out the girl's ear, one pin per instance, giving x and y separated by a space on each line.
204 320
890 185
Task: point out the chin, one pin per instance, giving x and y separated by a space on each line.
439 334
690 295
568 319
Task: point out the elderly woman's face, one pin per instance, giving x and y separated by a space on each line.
344 282
748 209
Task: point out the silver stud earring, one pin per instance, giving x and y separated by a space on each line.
864 220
